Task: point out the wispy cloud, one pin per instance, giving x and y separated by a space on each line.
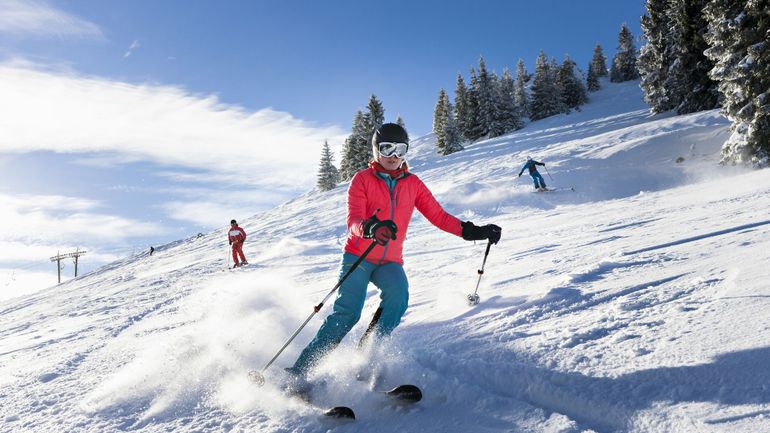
34 19
58 221
212 208
68 113
134 45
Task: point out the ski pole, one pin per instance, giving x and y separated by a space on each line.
258 376
474 298
546 172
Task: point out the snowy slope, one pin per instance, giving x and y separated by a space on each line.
636 303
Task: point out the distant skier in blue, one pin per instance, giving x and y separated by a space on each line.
531 165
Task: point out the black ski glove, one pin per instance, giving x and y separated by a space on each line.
381 231
472 232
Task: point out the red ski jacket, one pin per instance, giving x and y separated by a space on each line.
368 192
236 234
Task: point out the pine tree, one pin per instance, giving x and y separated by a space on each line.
688 82
355 148
592 79
447 136
597 68
655 56
573 93
509 115
497 123
599 62
400 121
739 47
328 175
473 128
361 138
624 62
374 118
461 108
452 134
546 100
485 94
520 97
439 121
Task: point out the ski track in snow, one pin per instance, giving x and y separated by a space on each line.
636 303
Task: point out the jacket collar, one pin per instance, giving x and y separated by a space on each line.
395 174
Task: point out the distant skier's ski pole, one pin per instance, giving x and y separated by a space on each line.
258 376
474 298
546 172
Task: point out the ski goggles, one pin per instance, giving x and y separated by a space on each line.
387 148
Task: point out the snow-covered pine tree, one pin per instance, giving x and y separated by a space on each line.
520 97
509 117
447 136
400 121
328 175
655 56
473 128
597 68
739 40
485 94
624 62
461 106
592 80
688 82
374 119
452 134
545 98
496 126
362 139
345 169
570 82
439 121
363 129
599 62
352 149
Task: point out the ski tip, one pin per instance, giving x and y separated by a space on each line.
340 412
408 393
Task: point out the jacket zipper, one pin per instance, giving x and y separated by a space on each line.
392 212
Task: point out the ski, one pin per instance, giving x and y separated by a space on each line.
555 189
404 393
302 394
337 412
340 412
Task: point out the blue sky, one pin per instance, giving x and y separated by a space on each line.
154 120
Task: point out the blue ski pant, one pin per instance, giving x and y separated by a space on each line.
537 177
390 278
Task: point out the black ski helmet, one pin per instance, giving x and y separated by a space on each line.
389 132
233 222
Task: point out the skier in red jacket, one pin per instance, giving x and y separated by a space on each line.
237 236
381 200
